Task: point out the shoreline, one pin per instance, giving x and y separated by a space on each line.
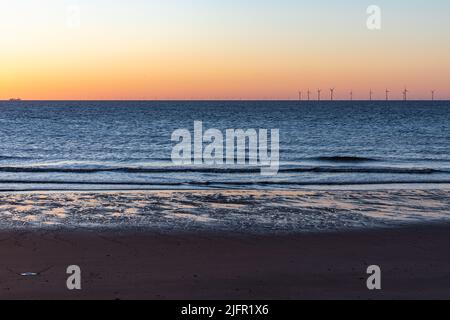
345 186
415 264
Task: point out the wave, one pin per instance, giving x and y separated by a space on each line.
344 159
222 183
13 158
381 170
227 170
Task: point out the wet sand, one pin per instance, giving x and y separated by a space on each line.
226 244
242 211
415 263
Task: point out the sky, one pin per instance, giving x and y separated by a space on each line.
217 49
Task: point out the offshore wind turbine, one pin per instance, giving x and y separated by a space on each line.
432 94
370 94
387 94
405 94
332 93
309 95
351 95
299 96
318 94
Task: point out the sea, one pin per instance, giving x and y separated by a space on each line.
127 145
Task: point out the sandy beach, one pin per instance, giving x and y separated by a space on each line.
415 264
215 262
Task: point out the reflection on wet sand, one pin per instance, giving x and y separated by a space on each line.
249 211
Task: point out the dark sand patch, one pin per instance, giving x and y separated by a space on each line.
415 263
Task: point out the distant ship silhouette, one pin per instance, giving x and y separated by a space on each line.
15 99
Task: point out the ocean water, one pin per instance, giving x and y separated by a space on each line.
127 144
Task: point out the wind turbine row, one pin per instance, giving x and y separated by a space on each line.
371 93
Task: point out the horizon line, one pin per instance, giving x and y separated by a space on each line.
231 100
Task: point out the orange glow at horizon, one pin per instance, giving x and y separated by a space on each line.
197 58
